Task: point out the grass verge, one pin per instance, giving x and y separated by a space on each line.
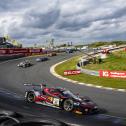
106 82
115 61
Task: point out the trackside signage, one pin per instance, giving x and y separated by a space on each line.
112 74
71 72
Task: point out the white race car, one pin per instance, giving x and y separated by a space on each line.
25 64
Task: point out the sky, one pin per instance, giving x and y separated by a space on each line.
77 21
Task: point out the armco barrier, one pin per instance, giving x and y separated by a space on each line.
86 71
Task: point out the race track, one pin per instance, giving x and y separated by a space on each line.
12 91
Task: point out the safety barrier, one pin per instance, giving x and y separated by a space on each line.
25 51
86 71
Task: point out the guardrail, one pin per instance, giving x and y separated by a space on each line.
89 72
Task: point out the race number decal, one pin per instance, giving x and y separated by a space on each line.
56 101
50 99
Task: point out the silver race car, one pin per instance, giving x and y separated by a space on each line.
25 64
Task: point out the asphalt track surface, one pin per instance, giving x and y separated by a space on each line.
12 91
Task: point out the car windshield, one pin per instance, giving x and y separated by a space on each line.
68 93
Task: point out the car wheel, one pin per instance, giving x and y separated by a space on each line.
23 66
68 105
30 97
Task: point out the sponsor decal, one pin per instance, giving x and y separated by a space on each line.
3 51
112 74
35 50
56 101
71 72
50 99
20 50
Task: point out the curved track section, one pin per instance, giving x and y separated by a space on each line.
12 92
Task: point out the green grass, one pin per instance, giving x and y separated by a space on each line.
115 61
106 82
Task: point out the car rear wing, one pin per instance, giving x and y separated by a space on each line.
35 87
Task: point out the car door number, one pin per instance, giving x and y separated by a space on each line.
56 101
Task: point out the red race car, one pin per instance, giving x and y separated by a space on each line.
59 98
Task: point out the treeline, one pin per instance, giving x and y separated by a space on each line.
97 44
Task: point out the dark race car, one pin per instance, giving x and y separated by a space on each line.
25 64
41 59
52 54
59 98
69 51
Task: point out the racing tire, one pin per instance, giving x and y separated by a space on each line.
24 66
30 97
27 65
68 105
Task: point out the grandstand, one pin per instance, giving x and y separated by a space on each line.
5 44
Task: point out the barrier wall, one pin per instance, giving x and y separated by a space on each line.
86 71
12 53
25 51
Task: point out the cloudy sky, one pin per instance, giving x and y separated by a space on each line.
33 21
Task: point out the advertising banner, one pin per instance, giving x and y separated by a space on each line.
21 50
3 51
112 74
71 72
35 50
25 51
